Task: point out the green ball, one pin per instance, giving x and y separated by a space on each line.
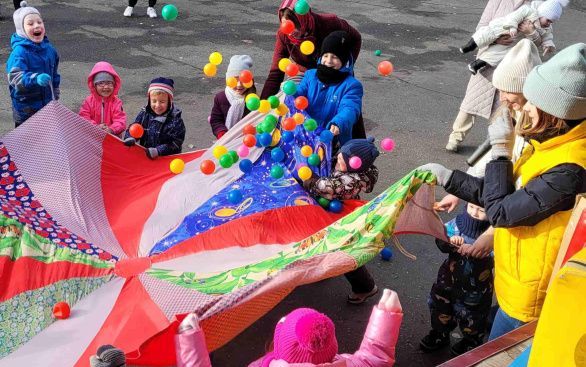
260 128
270 123
276 171
289 87
310 124
325 203
302 7
234 156
377 53
226 160
169 12
253 104
313 160
274 101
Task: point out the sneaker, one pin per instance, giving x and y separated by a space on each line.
433 341
358 298
151 12
476 65
463 346
452 146
128 11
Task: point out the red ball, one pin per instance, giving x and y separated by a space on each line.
249 129
249 140
61 310
292 69
207 167
136 130
385 68
289 124
245 76
301 103
287 26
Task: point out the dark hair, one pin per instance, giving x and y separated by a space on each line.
290 14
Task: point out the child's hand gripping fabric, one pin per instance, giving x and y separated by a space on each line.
190 346
43 80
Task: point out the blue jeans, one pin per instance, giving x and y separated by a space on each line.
502 324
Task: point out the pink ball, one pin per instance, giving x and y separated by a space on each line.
388 144
355 162
243 151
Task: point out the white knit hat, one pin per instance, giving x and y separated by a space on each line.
237 64
510 74
552 9
20 14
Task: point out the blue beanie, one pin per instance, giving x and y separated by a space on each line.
361 148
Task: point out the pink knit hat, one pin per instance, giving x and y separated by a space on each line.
305 336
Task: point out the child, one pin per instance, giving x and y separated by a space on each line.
151 12
103 107
462 293
229 105
335 96
307 338
108 356
164 130
540 13
32 66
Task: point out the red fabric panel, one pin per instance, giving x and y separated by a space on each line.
578 240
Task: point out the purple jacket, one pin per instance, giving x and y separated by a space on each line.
219 114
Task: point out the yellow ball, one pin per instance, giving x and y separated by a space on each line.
248 85
215 58
306 151
282 109
210 70
276 137
307 47
304 173
283 63
251 95
176 166
231 82
219 151
264 107
299 118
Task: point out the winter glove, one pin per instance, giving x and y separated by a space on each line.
501 134
152 153
43 80
442 174
129 142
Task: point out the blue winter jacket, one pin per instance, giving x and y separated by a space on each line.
27 60
338 104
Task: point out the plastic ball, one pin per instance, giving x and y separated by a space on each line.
207 167
271 122
302 7
176 166
261 128
323 202
292 69
288 124
377 52
226 161
283 63
245 76
310 124
355 162
248 84
265 139
301 103
61 310
387 144
251 95
335 206
299 118
307 47
210 70
215 58
326 136
136 130
385 68
264 106
245 165
306 151
282 109
304 173
234 196
277 171
287 26
276 138
243 150
231 82
277 155
169 12
219 151
386 254
249 140
289 87
234 155
274 101
253 103
313 160
249 130
257 136
287 136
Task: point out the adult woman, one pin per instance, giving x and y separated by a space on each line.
530 204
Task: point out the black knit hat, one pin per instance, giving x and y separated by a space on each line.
361 148
338 44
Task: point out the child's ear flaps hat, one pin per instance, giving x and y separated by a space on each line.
20 14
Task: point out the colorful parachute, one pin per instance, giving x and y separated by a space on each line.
133 248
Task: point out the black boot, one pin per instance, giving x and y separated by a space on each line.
464 345
476 65
434 340
470 46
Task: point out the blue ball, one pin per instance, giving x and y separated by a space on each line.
335 206
258 144
326 136
386 254
234 196
265 139
287 136
245 165
277 155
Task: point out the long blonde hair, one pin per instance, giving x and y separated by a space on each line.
546 128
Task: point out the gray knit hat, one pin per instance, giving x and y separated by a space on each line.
558 87
20 14
103 76
510 74
237 64
108 356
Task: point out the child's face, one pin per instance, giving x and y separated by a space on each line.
159 103
340 164
240 89
105 88
476 212
332 61
544 22
513 100
34 28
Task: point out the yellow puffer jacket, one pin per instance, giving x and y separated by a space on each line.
524 256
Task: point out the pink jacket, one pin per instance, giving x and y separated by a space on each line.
91 109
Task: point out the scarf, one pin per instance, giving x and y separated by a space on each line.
236 107
329 75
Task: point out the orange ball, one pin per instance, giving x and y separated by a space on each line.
306 150
301 103
292 70
207 167
249 129
299 118
249 140
245 76
289 124
136 130
287 26
385 68
61 310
